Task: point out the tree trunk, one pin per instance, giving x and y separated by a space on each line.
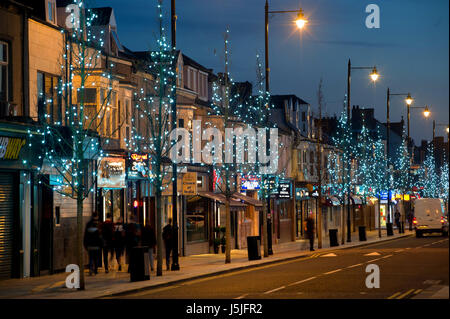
228 232
159 241
264 233
80 248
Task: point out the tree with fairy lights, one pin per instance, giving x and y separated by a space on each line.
402 177
338 164
363 151
152 123
73 146
443 182
428 176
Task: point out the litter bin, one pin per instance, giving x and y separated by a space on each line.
254 247
389 229
139 264
362 233
333 237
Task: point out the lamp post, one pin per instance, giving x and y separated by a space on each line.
374 76
175 265
300 22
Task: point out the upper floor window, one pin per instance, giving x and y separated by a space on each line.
49 101
303 116
4 65
51 11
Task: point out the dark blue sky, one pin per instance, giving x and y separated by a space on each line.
410 50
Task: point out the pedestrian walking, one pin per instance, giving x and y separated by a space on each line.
168 238
93 243
118 241
397 218
310 232
149 240
106 230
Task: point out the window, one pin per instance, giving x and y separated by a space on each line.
51 11
196 219
88 96
3 71
49 101
199 181
181 123
303 116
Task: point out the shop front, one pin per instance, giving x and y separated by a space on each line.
20 214
111 188
283 212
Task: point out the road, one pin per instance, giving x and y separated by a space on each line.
408 268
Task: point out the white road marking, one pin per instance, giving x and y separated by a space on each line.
329 255
426 245
242 297
332 272
397 251
369 261
352 266
408 248
301 281
373 254
273 290
387 256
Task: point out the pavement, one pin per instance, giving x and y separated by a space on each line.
117 283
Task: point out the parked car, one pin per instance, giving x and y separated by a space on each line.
429 217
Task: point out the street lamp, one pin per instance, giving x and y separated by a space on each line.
301 21
374 76
175 265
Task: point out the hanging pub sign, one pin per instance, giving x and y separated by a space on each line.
301 193
138 167
111 173
250 182
190 183
284 189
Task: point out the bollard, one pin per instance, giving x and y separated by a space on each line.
333 237
362 233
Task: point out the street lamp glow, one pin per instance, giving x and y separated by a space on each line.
301 20
409 99
374 75
447 129
427 112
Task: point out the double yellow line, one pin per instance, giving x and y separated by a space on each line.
399 295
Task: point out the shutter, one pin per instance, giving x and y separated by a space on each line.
6 224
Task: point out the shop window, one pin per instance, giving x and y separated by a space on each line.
49 101
4 65
197 219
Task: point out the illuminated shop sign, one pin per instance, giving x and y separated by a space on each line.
138 167
250 182
111 173
10 147
284 189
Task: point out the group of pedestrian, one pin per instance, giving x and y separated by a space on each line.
104 240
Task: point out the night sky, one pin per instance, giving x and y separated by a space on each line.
410 50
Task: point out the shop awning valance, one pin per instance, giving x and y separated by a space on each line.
249 200
222 199
356 200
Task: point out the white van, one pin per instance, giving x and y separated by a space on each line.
429 217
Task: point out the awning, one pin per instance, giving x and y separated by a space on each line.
222 199
335 201
356 200
249 200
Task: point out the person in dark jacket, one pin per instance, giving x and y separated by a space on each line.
397 218
310 232
118 241
167 236
149 240
107 229
93 243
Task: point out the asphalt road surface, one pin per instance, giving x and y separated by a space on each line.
408 267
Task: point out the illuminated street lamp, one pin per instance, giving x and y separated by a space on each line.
374 76
301 21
